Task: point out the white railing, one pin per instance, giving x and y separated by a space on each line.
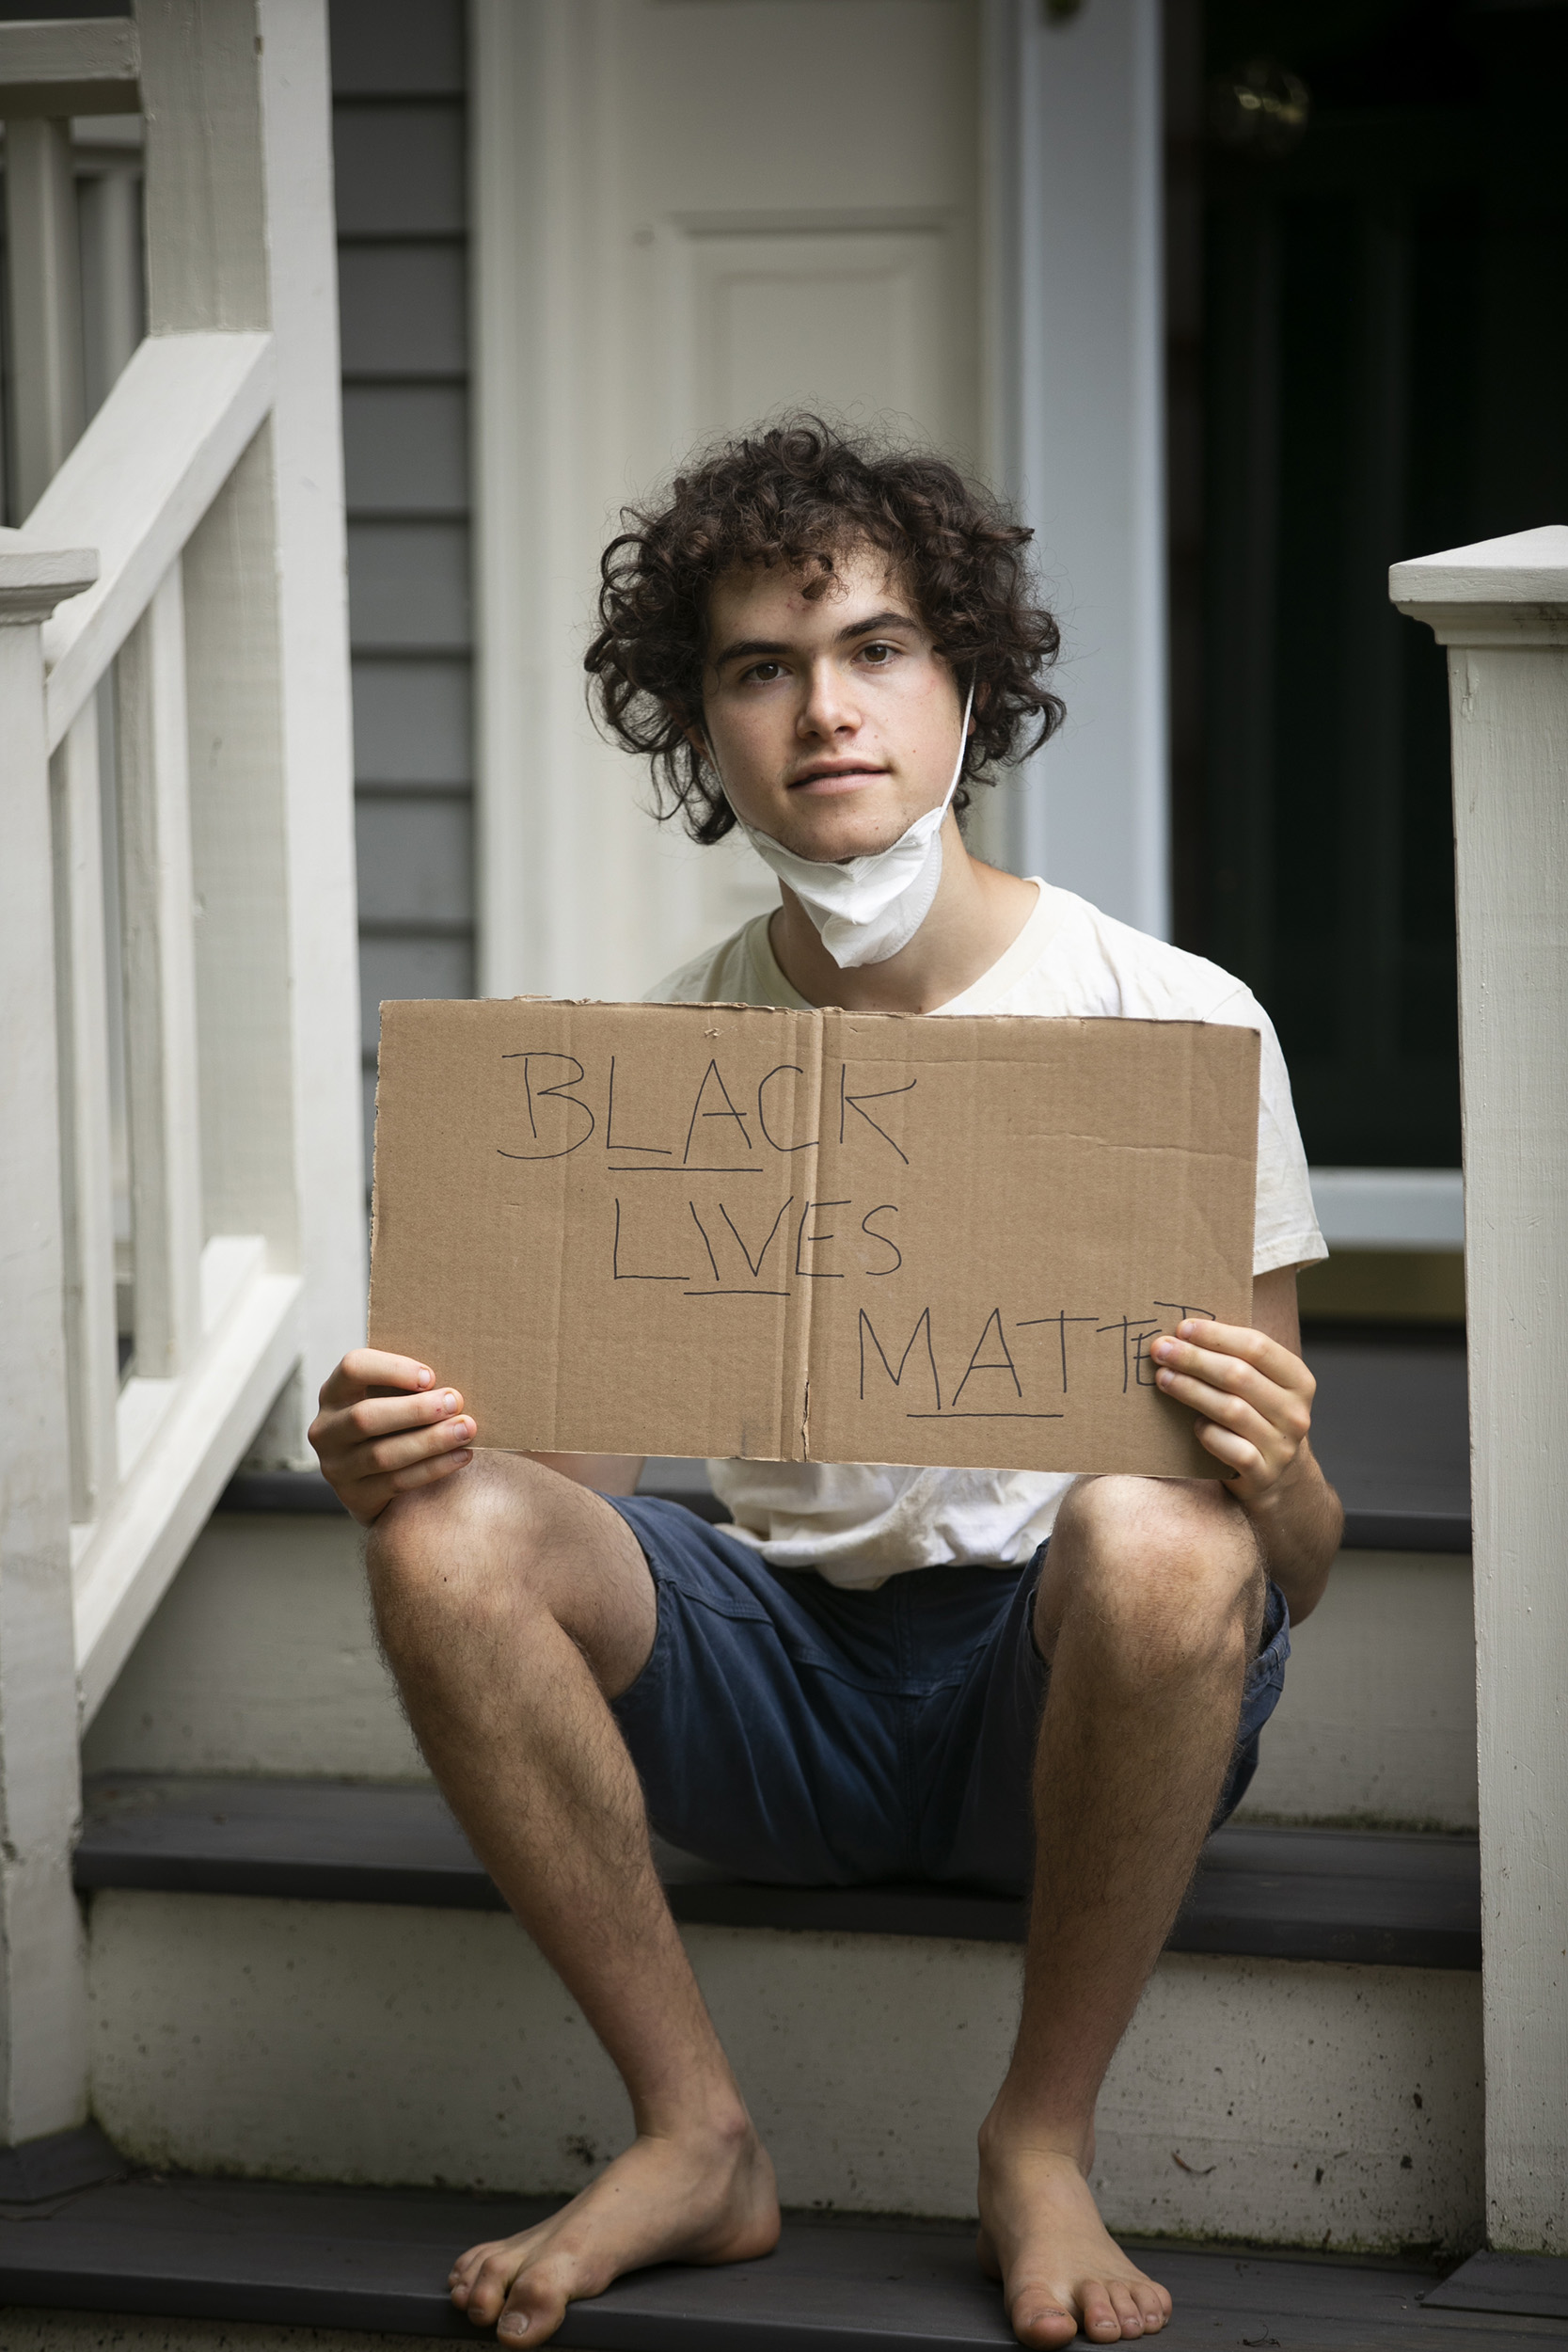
173 649
215 1333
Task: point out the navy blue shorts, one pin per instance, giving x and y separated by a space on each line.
790 1731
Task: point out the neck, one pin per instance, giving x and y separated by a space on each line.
975 915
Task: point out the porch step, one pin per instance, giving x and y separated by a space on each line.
1379 1525
1283 1893
366 2258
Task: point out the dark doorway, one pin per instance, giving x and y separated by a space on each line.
1369 306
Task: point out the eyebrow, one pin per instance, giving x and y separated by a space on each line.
756 648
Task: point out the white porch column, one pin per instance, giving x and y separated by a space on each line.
42 1984
1501 608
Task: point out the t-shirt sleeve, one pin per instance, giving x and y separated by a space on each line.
1286 1231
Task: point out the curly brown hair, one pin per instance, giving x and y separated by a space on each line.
795 493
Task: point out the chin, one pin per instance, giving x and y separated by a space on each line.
829 843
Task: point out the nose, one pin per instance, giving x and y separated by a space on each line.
830 708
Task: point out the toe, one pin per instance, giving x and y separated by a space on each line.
1154 2304
1100 2315
460 2279
488 2283
1041 2323
532 2314
1124 2302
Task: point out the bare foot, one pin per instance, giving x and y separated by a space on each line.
708 2198
1061 2269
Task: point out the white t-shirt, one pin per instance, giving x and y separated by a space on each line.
857 1523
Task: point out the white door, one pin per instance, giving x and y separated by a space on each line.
690 213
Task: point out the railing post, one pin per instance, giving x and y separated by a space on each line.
1501 608
43 1987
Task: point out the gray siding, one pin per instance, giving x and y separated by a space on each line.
399 74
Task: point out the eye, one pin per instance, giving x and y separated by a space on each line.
879 653
761 672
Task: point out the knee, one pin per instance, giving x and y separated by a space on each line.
1173 1564
469 1547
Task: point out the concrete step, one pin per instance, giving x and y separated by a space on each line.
261 1659
1285 1893
245 2252
308 2032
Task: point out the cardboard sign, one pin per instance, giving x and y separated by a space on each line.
811 1236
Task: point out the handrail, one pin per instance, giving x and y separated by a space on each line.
69 66
179 1438
135 487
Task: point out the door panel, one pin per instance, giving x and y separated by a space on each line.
851 322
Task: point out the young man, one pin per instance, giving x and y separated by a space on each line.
873 1672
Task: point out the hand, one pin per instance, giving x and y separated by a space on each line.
373 1444
1254 1398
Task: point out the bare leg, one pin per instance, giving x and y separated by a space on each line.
1148 1613
512 1605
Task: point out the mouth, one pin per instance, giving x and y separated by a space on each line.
829 778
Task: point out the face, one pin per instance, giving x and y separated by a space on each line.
835 720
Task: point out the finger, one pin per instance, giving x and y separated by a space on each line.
1286 1405
1289 1411
365 1368
1230 1412
368 1498
1267 1356
380 1416
406 1448
1236 1457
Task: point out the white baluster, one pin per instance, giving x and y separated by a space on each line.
160 985
91 1344
45 301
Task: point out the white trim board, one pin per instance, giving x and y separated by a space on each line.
1390 1208
1076 350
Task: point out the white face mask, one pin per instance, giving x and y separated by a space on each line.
867 907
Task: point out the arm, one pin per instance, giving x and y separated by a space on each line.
1254 1398
385 1427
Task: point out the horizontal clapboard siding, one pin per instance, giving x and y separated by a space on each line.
400 131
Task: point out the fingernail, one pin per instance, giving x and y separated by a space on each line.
466 1454
426 1376
449 1403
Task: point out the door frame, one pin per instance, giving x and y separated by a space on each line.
1072 386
